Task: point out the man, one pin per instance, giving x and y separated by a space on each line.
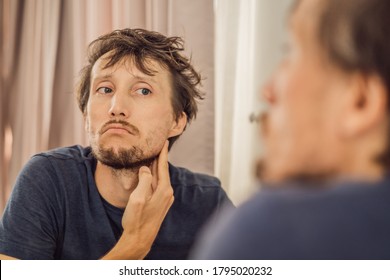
327 140
119 198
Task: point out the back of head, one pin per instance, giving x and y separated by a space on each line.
355 35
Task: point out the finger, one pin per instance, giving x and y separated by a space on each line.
164 192
154 174
163 167
143 191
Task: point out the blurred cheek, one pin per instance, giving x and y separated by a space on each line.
278 108
285 119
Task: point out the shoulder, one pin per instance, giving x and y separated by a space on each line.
56 169
301 223
60 159
311 205
183 177
193 189
76 153
335 197
47 190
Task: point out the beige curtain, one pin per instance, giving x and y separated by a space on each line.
43 44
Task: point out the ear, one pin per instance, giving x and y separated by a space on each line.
178 125
366 105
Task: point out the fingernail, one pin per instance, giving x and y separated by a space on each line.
144 169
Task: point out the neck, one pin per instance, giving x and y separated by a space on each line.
115 186
360 158
367 170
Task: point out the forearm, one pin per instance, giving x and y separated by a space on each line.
127 249
6 257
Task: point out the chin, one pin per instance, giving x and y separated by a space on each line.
271 170
278 174
115 146
123 158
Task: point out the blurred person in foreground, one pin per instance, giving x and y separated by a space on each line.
325 171
118 198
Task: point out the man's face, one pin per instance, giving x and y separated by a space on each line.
129 114
304 95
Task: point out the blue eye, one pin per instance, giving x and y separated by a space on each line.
104 90
143 91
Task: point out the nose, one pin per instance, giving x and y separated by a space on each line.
119 106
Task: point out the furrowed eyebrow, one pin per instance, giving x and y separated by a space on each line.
107 76
145 78
102 77
139 78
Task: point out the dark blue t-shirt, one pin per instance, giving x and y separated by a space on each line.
56 212
300 221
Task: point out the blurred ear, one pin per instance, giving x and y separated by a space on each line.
178 125
366 105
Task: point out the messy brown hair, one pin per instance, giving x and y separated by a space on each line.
143 45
